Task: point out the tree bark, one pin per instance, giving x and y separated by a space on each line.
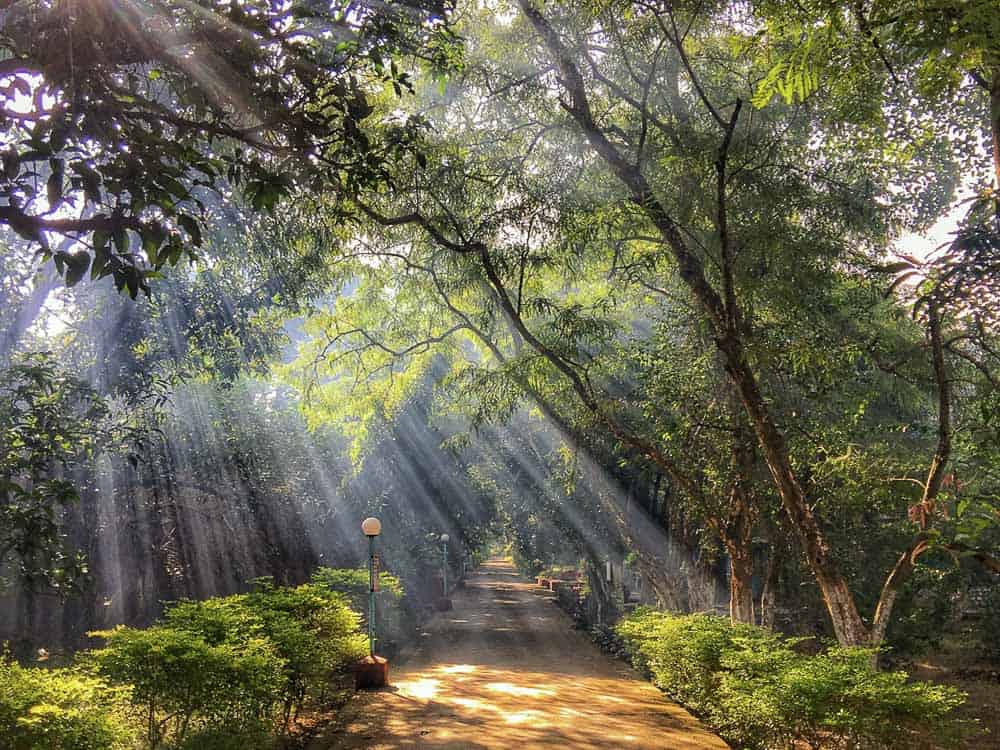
741 605
923 511
769 595
739 525
995 125
738 540
848 626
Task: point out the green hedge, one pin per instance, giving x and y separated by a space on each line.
232 666
59 709
761 693
228 673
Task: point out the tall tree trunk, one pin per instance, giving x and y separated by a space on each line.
769 594
925 510
995 125
848 626
602 603
738 529
741 609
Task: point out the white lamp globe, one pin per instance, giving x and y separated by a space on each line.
444 538
371 527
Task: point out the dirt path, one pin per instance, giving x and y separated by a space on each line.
505 669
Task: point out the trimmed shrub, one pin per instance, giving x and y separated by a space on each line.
227 738
316 633
58 709
761 693
312 630
181 683
232 667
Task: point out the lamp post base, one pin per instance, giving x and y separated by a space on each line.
371 672
443 604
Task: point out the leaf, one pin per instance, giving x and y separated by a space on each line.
91 182
58 137
54 185
132 282
77 265
190 226
121 240
102 260
11 164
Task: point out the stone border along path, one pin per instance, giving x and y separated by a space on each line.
505 669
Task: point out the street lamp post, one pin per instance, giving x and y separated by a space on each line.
371 527
372 672
444 564
443 604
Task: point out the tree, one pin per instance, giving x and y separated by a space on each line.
49 423
944 50
118 123
741 205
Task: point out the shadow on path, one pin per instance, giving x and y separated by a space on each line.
505 669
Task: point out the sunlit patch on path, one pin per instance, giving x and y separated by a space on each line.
504 669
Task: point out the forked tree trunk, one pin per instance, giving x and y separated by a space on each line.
848 626
741 609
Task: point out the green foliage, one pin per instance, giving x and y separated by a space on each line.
761 692
990 625
129 135
226 738
559 571
924 608
59 709
314 631
180 682
354 583
232 666
50 422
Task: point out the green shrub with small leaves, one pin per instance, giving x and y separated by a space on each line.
315 631
684 654
181 683
232 667
762 693
228 738
59 709
312 630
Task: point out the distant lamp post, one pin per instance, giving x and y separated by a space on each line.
444 603
373 671
444 563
